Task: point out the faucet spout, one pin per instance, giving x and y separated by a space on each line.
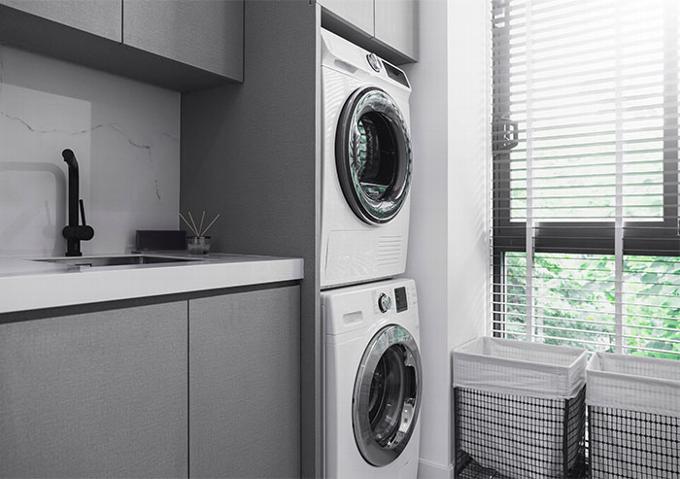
75 232
73 186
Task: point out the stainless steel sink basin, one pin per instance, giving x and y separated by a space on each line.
128 260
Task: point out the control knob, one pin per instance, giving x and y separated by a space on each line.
384 303
374 61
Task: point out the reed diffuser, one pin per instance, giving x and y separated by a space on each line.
198 242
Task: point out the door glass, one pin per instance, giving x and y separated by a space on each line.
392 385
386 396
377 163
373 155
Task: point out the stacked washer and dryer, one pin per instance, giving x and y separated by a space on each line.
372 385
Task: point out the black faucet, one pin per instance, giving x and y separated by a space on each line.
74 232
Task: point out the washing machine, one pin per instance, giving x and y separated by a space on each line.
366 165
373 381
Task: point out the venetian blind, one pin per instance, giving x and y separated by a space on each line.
586 247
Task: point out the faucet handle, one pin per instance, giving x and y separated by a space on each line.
82 211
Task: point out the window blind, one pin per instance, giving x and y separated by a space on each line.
586 236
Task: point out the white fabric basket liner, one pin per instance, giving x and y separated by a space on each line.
519 367
634 383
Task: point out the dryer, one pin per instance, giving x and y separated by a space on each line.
366 165
372 381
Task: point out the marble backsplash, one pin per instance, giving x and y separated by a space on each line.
125 135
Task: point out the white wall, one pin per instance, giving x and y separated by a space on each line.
427 255
469 112
448 250
125 136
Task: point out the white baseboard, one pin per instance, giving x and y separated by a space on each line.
430 470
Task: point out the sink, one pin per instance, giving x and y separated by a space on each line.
129 260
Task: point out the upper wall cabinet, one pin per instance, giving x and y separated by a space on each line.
396 24
358 13
179 44
206 34
99 17
387 27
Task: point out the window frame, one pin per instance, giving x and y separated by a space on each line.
660 238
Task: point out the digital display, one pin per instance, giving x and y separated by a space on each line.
395 74
400 297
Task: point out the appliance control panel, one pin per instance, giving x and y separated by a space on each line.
396 299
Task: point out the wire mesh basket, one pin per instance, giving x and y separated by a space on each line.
470 469
518 436
633 417
519 410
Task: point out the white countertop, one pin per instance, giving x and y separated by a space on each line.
26 284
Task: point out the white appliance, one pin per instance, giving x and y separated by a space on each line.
373 378
366 171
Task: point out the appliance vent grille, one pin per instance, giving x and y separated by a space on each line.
388 251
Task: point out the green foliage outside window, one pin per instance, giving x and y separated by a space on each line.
574 302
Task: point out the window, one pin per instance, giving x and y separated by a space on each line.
586 235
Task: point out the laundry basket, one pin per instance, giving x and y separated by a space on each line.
634 417
519 408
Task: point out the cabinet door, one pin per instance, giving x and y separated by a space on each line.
99 17
206 34
358 13
100 394
244 386
395 25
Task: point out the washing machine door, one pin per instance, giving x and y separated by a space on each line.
387 393
373 155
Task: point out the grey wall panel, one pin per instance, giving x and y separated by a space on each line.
244 384
99 17
102 394
251 152
207 34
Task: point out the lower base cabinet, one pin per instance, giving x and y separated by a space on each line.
244 385
100 394
149 391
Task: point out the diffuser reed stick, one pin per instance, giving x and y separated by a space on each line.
211 223
193 230
198 231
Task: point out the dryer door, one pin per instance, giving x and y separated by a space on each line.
387 394
373 155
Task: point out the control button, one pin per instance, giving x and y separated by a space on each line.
384 303
374 61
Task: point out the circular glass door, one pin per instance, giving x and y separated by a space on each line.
386 397
373 155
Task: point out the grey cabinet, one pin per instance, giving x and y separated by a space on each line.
99 17
387 27
208 387
396 24
206 34
244 386
359 13
102 394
